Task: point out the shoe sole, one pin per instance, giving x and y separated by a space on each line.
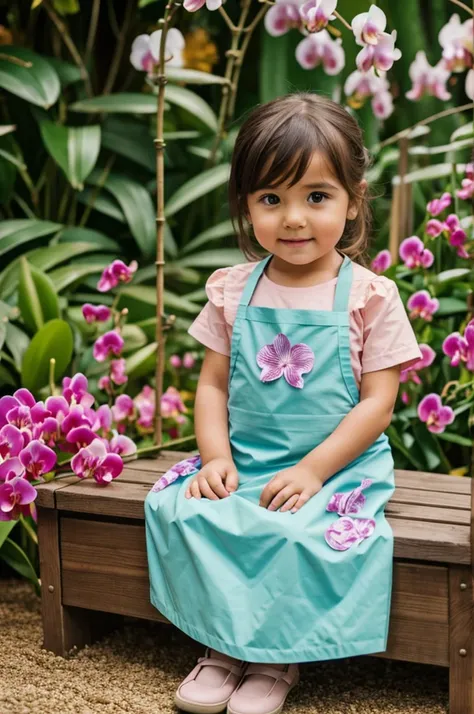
279 707
189 706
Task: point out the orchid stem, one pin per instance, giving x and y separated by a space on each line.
52 365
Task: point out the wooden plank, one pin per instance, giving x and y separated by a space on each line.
431 498
461 694
432 482
92 564
46 491
442 543
429 514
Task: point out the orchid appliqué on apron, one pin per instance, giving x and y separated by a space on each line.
347 531
280 358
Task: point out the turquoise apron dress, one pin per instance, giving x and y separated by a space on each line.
272 586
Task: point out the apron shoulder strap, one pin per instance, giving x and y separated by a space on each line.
252 280
343 286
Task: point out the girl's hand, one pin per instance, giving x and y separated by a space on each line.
217 479
290 488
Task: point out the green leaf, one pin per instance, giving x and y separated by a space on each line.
136 204
398 443
429 173
12 159
6 377
426 442
213 258
455 438
3 333
88 239
17 231
5 528
196 187
193 104
68 73
17 559
37 84
146 296
17 342
54 340
37 297
75 149
64 277
453 274
465 130
123 102
221 230
102 203
193 76
134 337
142 362
451 306
130 138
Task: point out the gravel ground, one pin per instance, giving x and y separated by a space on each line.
137 670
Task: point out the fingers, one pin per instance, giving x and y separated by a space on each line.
281 497
290 503
232 481
209 486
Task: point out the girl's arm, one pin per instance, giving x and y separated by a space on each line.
210 409
361 427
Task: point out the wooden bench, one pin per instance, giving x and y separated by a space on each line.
94 568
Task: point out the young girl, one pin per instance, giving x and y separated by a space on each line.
271 547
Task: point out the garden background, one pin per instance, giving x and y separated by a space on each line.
79 190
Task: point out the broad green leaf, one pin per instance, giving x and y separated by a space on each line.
37 298
137 206
451 306
17 559
193 76
141 362
429 173
68 73
213 258
196 187
17 231
465 130
94 240
134 337
102 203
123 102
37 84
142 300
455 438
64 277
6 129
5 528
221 230
426 443
17 342
176 135
130 138
193 104
53 340
7 378
453 274
3 333
442 149
75 149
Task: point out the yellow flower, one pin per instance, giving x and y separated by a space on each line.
199 53
461 471
6 37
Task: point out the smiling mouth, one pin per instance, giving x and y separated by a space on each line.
295 240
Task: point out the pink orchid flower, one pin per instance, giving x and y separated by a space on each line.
22 397
347 532
369 26
317 13
461 348
122 445
145 52
115 273
414 254
94 461
188 360
172 404
360 85
75 390
467 190
411 373
175 361
421 304
117 371
320 48
16 497
382 105
380 56
95 313
38 459
280 358
11 442
428 80
456 39
434 228
193 5
349 502
107 344
381 262
123 408
436 416
437 205
186 467
283 16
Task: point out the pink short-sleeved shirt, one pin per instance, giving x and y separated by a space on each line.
381 335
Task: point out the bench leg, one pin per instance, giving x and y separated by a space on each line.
63 627
461 660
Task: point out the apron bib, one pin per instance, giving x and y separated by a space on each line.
267 586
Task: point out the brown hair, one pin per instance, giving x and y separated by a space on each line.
299 123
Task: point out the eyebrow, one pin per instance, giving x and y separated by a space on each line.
322 184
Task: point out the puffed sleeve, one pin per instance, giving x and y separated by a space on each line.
210 327
388 338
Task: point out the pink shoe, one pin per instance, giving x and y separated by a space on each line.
259 696
209 686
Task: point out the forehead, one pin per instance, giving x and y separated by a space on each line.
319 170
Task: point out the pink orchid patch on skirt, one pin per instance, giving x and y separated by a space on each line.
347 531
186 467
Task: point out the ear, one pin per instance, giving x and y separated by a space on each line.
353 209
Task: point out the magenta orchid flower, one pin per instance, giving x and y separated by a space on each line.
38 459
437 205
188 360
380 56
317 13
95 313
123 408
283 16
94 461
436 416
280 358
22 397
461 348
428 80
369 26
421 304
115 273
175 361
467 190
456 39
319 48
75 390
349 502
361 85
11 442
108 344
411 373
16 498
193 5
347 532
117 371
414 254
145 52
381 262
122 445
434 227
171 404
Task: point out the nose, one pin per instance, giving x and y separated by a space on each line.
294 218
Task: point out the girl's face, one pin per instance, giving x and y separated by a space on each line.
305 222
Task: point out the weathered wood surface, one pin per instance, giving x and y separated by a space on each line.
430 514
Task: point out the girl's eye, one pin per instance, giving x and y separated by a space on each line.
269 195
272 196
321 195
